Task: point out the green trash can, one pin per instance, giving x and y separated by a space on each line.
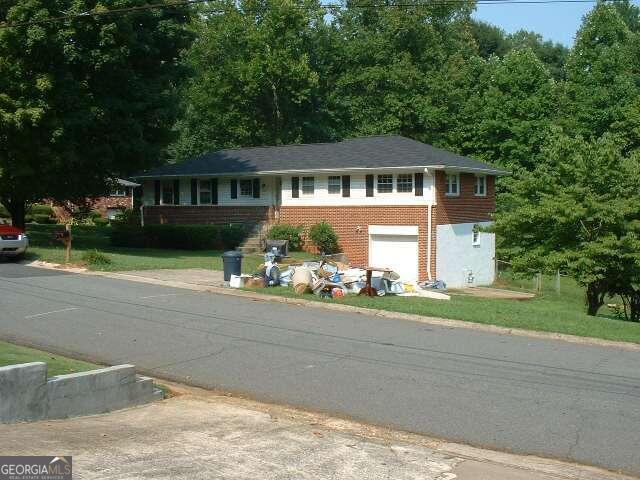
232 264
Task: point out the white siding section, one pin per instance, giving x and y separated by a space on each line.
322 197
457 259
267 192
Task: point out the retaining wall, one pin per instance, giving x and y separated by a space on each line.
26 394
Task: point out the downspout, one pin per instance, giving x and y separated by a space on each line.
142 215
429 242
429 214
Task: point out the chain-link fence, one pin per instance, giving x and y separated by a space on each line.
532 280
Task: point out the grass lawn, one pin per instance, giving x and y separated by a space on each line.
11 354
43 247
549 312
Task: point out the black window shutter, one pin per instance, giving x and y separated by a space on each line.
214 191
176 192
256 188
194 191
295 187
369 182
346 185
234 188
156 194
419 184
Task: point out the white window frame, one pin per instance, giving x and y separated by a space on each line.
163 187
407 180
119 192
390 184
481 181
337 191
200 190
475 235
310 188
245 182
448 184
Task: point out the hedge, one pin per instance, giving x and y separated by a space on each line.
183 237
285 231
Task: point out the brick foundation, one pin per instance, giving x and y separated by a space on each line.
206 214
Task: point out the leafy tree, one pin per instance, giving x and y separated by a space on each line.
83 100
602 73
577 212
508 112
553 55
389 64
491 40
258 77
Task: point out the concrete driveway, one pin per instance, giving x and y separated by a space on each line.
199 435
526 395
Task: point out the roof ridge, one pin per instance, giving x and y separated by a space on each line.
308 144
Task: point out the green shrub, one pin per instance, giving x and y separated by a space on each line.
28 218
96 258
42 218
123 235
39 209
127 217
286 231
4 213
325 237
232 235
184 237
101 222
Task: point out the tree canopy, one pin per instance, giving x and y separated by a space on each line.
84 100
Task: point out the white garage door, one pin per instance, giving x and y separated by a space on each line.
398 252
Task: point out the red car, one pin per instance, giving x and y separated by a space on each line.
13 242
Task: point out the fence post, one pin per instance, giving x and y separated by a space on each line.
539 286
558 281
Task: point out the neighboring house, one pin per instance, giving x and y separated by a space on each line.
109 206
393 201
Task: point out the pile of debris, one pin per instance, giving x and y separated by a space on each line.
333 276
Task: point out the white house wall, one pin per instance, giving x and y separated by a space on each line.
267 192
358 191
457 258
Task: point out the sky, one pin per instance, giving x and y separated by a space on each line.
554 21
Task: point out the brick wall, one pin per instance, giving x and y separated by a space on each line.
102 204
346 220
205 214
466 207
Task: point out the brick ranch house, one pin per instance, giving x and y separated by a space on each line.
394 202
119 199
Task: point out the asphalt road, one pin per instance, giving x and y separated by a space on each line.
524 395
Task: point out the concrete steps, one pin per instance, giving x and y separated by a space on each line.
255 241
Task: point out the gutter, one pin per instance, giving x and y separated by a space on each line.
490 171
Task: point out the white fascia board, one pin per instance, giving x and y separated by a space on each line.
393 230
426 168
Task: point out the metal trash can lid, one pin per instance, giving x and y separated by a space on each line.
233 254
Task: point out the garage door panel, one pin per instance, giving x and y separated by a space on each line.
398 252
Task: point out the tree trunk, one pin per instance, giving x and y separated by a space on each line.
634 307
18 210
595 299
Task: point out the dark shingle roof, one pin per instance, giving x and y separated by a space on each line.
367 152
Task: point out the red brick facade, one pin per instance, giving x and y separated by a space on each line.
351 225
466 207
206 214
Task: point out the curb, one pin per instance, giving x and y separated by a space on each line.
443 322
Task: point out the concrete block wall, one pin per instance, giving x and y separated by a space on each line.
26 394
